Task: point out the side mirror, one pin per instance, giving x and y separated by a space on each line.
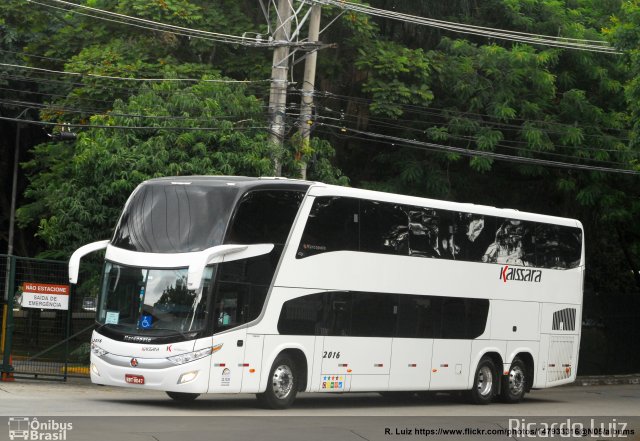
217 254
74 261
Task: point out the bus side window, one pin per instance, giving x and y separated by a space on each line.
558 247
416 316
338 313
264 216
477 314
424 232
454 324
373 315
384 228
332 226
302 316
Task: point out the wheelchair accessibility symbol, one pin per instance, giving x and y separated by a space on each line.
146 321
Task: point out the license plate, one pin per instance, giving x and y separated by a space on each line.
134 379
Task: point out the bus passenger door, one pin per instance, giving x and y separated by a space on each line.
227 363
252 363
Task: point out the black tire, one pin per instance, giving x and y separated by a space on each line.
282 385
182 397
485 382
514 385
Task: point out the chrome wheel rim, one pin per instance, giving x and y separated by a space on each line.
484 382
516 380
282 381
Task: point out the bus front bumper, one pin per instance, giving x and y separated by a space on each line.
192 377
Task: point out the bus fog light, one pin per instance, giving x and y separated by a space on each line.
94 369
187 377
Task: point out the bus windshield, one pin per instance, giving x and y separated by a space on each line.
161 218
153 301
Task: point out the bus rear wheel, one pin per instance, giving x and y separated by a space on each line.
282 385
485 382
514 384
182 397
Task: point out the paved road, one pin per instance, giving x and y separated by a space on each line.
108 413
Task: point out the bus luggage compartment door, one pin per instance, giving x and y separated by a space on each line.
366 359
450 364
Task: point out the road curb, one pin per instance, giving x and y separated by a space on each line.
601 380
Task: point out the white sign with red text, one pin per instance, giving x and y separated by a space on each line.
45 296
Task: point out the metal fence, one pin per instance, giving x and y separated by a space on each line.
42 341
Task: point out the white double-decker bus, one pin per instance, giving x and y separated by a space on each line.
277 286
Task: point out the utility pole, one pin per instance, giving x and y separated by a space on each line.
279 72
308 85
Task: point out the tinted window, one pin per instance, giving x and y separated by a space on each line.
558 247
425 232
264 216
373 315
454 324
337 313
463 318
332 226
513 244
242 289
165 218
472 235
477 313
384 228
302 316
418 316
384 315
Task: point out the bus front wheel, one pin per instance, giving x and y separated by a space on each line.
282 385
485 382
514 384
182 397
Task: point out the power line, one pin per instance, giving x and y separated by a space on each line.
428 110
128 20
138 22
108 77
517 149
478 153
100 126
110 113
523 37
395 124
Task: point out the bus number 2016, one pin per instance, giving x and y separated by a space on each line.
331 354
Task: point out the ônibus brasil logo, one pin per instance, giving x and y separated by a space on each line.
520 274
31 429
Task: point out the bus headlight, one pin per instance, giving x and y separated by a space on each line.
189 356
97 350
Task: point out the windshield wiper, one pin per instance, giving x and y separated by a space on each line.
188 336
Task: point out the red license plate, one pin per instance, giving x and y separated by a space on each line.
134 379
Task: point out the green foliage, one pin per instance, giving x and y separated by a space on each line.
395 76
78 190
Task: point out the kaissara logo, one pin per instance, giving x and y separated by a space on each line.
520 274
